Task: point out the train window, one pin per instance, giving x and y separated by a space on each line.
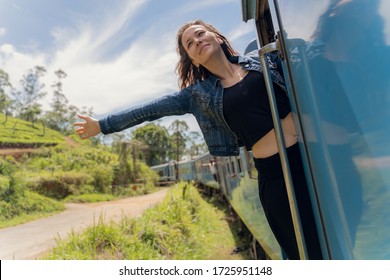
228 166
252 171
239 165
233 167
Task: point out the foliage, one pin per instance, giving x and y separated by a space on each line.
26 99
57 118
5 101
184 226
80 168
196 144
61 185
19 133
156 138
16 200
65 158
89 198
178 138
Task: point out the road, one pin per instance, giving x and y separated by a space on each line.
31 240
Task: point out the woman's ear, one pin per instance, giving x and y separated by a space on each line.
219 40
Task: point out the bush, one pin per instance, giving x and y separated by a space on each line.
102 178
4 186
24 202
61 185
7 166
5 211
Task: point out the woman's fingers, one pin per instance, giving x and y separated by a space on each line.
88 128
79 123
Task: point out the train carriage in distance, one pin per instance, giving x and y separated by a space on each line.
166 173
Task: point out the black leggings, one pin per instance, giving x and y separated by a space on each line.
274 199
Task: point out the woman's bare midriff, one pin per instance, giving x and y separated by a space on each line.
267 145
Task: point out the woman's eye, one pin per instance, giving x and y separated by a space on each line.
189 45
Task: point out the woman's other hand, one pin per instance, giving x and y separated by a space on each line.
88 128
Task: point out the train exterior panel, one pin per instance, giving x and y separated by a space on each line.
166 173
336 63
204 174
241 190
186 170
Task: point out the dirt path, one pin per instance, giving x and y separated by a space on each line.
30 240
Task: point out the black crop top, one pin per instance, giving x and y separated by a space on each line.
247 111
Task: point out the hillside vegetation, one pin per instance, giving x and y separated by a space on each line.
55 171
19 133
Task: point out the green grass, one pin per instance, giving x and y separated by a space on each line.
20 132
184 226
25 206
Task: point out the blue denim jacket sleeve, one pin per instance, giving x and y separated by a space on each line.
174 104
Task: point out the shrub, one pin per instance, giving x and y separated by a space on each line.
27 203
61 185
7 166
102 178
4 186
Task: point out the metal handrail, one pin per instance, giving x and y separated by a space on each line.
282 148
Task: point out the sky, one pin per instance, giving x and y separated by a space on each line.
117 53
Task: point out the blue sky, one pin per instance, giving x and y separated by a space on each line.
117 53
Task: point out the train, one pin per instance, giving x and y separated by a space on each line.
335 58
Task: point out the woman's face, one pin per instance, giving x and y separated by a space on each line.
200 44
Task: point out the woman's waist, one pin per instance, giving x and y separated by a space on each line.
267 145
271 166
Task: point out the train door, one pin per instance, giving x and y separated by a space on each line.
335 59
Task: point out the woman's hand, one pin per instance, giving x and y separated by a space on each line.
89 128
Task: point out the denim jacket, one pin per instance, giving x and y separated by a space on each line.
203 99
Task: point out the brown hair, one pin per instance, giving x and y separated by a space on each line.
188 73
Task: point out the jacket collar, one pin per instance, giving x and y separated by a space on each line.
243 61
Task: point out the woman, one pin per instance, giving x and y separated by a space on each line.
226 94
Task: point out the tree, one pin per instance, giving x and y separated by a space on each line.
156 138
197 145
178 138
124 173
57 118
136 148
26 100
5 101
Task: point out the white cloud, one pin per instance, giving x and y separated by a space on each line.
202 4
16 63
384 12
139 73
3 31
241 30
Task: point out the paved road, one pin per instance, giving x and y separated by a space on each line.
29 241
